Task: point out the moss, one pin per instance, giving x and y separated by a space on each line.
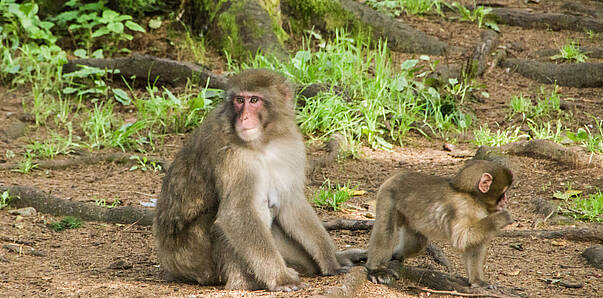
330 13
230 37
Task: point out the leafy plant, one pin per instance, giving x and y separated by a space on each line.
68 222
144 165
331 196
479 14
592 140
103 203
571 51
26 164
5 199
546 131
93 20
547 105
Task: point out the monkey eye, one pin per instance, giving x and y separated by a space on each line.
239 99
254 99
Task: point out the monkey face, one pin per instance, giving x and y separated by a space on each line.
248 107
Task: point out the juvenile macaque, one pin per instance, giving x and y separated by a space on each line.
413 208
232 208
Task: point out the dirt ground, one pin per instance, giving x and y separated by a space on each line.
101 259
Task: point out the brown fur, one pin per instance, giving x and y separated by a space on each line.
413 208
233 212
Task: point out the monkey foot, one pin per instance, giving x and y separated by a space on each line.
383 276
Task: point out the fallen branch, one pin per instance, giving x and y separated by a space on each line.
149 69
553 21
576 157
579 75
88 159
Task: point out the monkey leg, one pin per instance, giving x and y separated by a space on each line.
299 221
187 255
294 254
411 243
232 269
474 258
384 237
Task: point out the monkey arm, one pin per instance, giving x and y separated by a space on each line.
469 231
300 222
249 236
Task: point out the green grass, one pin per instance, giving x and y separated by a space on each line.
548 105
570 51
103 203
484 136
413 7
332 196
385 103
68 222
579 206
591 138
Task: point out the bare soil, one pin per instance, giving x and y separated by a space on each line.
101 259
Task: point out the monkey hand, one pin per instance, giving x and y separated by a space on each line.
288 282
382 276
502 218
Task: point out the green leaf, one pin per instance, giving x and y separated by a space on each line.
109 15
69 90
154 23
116 27
408 64
135 27
81 53
100 32
566 194
121 96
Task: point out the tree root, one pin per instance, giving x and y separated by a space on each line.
475 65
399 36
149 69
350 283
87 159
575 157
579 75
553 21
30 197
440 281
348 224
594 234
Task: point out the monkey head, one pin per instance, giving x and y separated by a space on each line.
261 104
486 181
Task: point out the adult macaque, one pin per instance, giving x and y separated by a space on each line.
232 208
467 210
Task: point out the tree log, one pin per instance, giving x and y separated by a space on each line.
553 21
149 69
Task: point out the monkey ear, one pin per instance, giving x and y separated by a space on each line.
286 92
484 183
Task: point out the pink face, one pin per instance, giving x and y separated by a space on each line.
248 105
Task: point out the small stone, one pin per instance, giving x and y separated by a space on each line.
120 264
19 218
449 147
27 211
15 129
369 215
594 255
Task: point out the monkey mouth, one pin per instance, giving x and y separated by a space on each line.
249 134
